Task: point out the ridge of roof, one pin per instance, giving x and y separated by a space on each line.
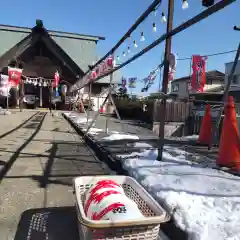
228 63
51 32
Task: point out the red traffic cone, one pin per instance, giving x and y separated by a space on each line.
205 135
229 149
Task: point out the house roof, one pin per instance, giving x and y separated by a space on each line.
230 63
52 33
30 40
214 75
78 47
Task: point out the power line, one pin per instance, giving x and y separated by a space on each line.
204 14
208 55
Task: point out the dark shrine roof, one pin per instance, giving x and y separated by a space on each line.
76 50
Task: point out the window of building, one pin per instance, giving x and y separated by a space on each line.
175 88
209 81
234 80
188 86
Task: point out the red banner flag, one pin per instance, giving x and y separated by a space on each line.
56 79
14 75
110 62
93 75
199 73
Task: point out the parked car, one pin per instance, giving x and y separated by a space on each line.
30 101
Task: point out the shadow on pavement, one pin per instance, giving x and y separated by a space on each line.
18 127
48 224
48 167
7 166
67 161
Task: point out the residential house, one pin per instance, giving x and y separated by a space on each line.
216 93
235 85
181 87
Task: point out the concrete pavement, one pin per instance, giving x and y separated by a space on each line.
40 155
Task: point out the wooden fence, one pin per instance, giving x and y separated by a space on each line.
134 110
193 125
175 111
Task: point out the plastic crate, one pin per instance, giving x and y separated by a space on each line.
145 228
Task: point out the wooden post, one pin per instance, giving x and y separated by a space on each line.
165 78
89 101
110 95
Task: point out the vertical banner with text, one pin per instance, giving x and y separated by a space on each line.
198 80
56 82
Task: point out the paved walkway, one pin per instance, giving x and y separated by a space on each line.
39 158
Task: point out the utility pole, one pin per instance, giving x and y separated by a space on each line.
236 28
165 78
21 89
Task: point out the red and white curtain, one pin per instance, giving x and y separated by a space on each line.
4 85
198 79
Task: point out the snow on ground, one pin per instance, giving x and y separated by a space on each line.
203 201
119 136
93 131
186 138
82 121
191 137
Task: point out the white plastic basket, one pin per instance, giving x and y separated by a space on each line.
146 228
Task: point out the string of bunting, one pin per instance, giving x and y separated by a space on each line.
15 75
99 70
133 43
110 62
39 81
149 80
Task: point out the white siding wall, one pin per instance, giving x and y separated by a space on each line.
236 83
182 88
179 88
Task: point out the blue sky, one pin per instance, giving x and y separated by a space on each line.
112 19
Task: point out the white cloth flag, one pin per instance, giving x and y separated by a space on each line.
4 85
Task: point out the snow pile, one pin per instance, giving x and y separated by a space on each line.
185 138
80 119
191 137
93 131
119 136
77 118
204 202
